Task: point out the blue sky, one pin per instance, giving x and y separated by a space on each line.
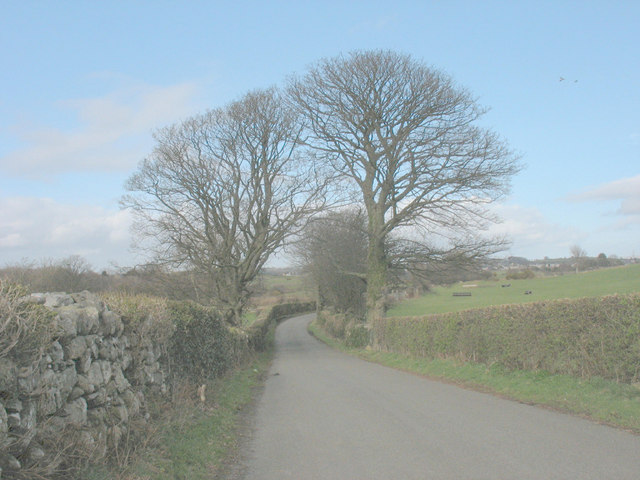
85 84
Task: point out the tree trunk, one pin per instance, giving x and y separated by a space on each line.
376 278
237 315
231 296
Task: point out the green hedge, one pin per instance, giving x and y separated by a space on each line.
585 337
195 341
202 345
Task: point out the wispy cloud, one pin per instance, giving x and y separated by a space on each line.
625 191
38 228
532 235
112 132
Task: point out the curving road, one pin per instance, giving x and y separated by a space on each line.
326 415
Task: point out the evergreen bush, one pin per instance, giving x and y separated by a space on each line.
202 346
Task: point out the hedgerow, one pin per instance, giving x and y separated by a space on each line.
195 340
586 337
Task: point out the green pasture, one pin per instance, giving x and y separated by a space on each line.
283 283
485 293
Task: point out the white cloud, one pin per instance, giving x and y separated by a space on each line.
38 228
531 234
626 192
10 240
112 132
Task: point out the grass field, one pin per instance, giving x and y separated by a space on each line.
277 289
485 293
284 283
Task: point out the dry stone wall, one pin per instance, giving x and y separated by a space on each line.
90 381
81 394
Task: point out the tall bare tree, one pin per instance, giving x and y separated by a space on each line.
403 134
222 191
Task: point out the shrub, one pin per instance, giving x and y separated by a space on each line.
335 324
201 345
26 329
343 327
520 274
358 335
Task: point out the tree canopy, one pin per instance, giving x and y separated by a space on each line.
405 137
223 190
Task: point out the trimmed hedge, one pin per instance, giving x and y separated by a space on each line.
585 337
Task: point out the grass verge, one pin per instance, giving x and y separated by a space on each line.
192 439
599 400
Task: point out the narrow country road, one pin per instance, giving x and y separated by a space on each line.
326 415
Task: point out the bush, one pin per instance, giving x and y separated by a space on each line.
358 335
520 274
343 327
586 337
201 346
26 329
335 324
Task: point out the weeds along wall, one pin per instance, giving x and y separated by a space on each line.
340 325
585 337
76 369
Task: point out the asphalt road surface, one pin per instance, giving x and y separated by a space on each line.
326 415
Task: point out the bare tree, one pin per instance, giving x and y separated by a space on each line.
579 254
222 191
333 249
429 264
70 274
403 134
